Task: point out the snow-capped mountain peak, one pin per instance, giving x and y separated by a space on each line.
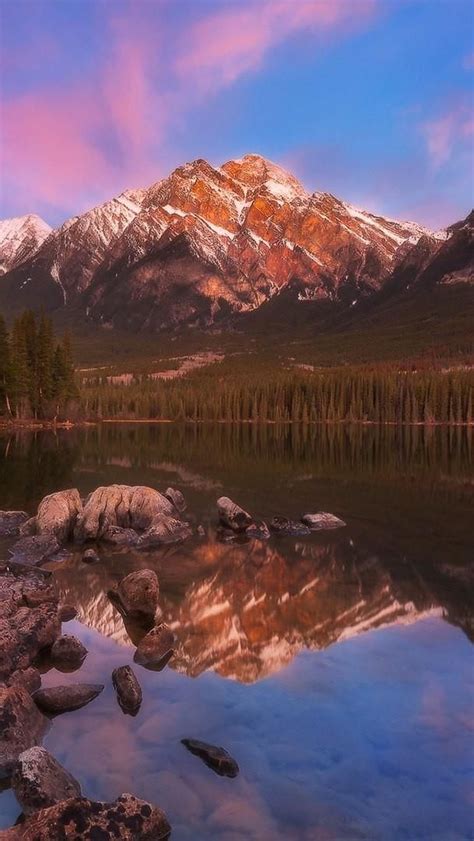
20 238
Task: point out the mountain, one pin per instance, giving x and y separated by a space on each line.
20 239
207 243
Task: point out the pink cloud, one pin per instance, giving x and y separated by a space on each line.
468 62
234 40
444 133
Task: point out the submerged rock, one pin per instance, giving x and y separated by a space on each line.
68 653
61 699
215 757
120 505
163 530
11 521
127 819
34 550
66 612
138 593
128 689
39 781
322 520
57 514
21 725
90 556
258 531
156 647
177 498
289 528
232 515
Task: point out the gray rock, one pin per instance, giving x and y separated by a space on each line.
232 515
39 781
68 653
21 725
289 528
28 528
164 530
57 514
322 520
138 593
120 505
156 647
11 522
61 699
34 550
215 757
177 498
127 819
128 689
90 556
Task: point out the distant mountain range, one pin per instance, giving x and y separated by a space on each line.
207 243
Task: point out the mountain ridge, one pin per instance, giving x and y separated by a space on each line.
208 243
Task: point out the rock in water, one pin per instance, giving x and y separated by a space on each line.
11 521
138 593
289 528
67 612
232 515
129 693
163 530
61 699
120 505
68 653
90 556
39 781
21 725
322 520
258 531
177 498
57 514
34 550
119 536
215 757
156 648
125 819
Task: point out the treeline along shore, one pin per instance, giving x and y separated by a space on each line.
38 384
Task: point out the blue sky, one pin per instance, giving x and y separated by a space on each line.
369 99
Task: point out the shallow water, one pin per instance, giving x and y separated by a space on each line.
337 669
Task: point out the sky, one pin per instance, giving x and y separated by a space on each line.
371 100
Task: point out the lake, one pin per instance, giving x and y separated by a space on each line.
337 668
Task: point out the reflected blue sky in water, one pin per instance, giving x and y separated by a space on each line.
372 738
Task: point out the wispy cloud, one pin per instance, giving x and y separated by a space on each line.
444 134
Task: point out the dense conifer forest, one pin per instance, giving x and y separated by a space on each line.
37 377
38 381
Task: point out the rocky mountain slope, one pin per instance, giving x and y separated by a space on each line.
209 242
20 239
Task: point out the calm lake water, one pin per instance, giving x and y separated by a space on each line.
337 669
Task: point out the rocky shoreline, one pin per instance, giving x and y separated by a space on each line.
31 627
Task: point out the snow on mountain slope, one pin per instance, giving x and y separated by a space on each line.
212 241
20 238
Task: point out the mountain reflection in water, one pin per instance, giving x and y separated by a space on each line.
340 734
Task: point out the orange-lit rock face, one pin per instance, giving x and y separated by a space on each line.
209 241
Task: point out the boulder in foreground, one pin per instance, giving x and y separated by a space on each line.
138 593
127 819
322 520
215 757
39 781
129 693
120 505
21 725
156 648
232 515
61 699
57 514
